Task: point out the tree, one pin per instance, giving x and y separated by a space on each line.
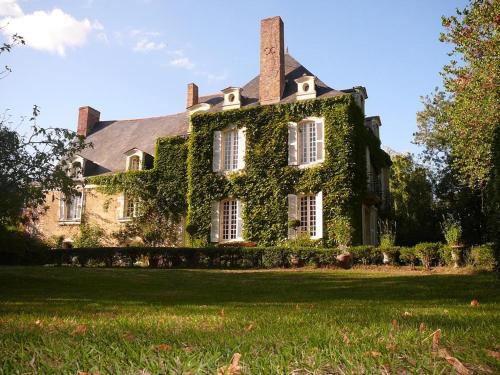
457 125
411 192
32 164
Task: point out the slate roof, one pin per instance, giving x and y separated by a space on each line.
111 139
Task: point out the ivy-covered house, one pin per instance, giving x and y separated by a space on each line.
283 156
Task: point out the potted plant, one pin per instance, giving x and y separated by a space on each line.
452 232
388 241
341 231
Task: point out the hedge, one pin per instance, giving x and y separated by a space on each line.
427 254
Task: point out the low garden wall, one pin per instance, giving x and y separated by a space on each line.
425 254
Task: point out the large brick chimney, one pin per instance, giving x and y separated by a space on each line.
87 118
272 60
192 95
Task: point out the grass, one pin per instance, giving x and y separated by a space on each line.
141 321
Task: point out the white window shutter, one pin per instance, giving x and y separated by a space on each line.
319 215
239 226
120 207
292 213
292 144
241 147
217 151
320 149
62 207
81 204
214 227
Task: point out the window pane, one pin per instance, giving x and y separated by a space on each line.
231 150
312 142
229 220
308 214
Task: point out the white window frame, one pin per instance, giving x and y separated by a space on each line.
295 211
306 138
223 231
229 157
134 163
67 206
306 212
133 153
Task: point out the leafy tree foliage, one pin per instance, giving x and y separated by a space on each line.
411 191
457 126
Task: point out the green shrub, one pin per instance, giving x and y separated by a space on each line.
445 256
366 255
428 253
392 253
483 256
452 231
91 235
302 240
408 256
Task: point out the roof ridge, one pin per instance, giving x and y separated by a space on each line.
146 118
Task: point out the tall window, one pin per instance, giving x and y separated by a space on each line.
307 214
308 149
71 208
134 163
230 149
131 207
229 220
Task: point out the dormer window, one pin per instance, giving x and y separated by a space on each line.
306 87
134 160
232 98
75 170
134 163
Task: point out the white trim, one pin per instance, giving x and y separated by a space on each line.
304 82
135 152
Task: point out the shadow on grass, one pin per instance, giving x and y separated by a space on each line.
211 287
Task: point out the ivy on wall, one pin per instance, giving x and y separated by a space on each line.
182 182
267 179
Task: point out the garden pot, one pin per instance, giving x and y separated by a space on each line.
387 258
344 260
456 255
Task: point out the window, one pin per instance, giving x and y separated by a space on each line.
229 220
134 163
305 142
131 207
71 207
226 221
230 149
308 150
307 214
307 211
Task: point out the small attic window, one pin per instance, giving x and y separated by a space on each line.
232 98
306 87
134 160
134 163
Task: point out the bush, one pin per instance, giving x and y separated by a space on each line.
366 255
483 256
19 248
408 256
90 236
428 253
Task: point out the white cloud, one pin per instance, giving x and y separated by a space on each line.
10 8
146 45
182 62
53 31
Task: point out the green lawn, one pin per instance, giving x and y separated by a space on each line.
124 321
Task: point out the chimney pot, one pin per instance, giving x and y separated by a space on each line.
272 60
192 95
87 118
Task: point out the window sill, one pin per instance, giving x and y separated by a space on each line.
70 222
124 219
309 165
235 240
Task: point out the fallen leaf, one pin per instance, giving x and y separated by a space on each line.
233 369
38 322
373 354
407 313
88 373
129 337
474 303
221 313
436 337
391 346
187 349
385 370
346 339
395 324
249 327
163 347
458 366
80 329
422 327
493 354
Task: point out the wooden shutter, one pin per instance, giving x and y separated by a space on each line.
320 150
120 207
319 215
214 227
239 226
81 204
241 147
292 144
292 213
62 208
216 163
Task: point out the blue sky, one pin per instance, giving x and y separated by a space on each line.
133 58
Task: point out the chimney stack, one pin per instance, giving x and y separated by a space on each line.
272 60
87 118
192 95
